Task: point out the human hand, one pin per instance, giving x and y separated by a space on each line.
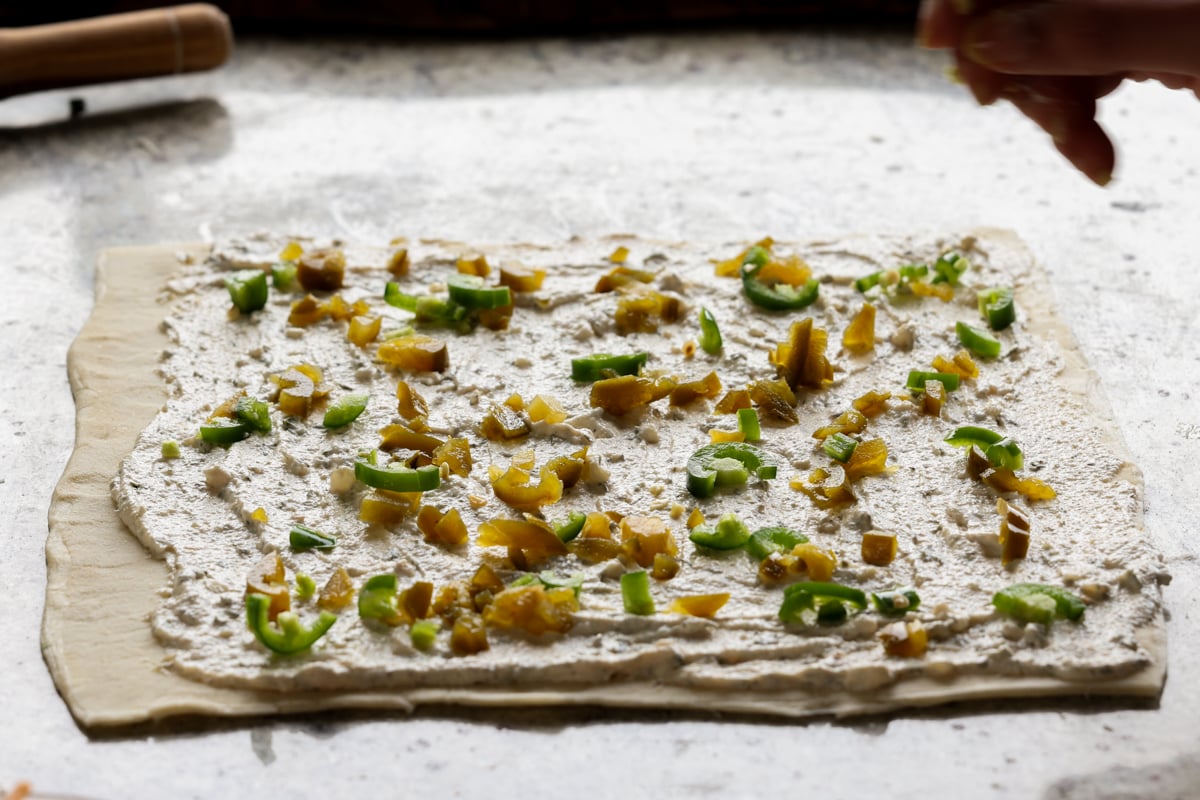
1054 59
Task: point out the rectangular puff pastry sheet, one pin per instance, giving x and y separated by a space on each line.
103 586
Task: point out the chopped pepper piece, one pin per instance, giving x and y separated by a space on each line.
977 340
533 608
859 336
388 508
534 539
878 548
520 278
254 413
593 550
867 282
643 539
223 432
733 401
476 266
869 458
717 436
396 478
423 633
306 587
730 533
170 449
338 591
363 329
1036 602
851 421
707 387
409 402
827 488
748 424
665 567
896 602
1000 450
775 399
759 253
321 270
426 309
303 537
635 593
415 352
801 359
1002 479
503 422
569 529
399 262
470 292
933 398
710 333
779 296
247 289
618 396
267 579
445 528
905 639
620 276
290 636
917 378
699 605
455 454
546 409
594 367
468 635
299 387
379 599
306 311
949 268
872 404
513 487
727 464
839 447
402 437
1014 531
766 541
345 410
570 469
820 600
996 306
640 311
961 363
283 275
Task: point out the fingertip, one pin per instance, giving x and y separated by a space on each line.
985 85
1090 150
938 25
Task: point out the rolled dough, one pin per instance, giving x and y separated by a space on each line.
102 585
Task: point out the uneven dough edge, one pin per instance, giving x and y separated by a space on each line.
102 585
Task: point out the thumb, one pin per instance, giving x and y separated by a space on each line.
1088 37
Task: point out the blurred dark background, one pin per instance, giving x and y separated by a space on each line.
493 16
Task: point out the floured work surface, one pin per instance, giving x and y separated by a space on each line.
152 623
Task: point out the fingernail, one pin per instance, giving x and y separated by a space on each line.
984 95
999 40
1058 127
952 74
1102 178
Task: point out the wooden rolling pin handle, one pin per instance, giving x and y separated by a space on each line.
142 44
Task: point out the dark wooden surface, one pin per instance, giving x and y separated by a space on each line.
493 16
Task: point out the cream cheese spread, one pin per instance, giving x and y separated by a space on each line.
195 511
